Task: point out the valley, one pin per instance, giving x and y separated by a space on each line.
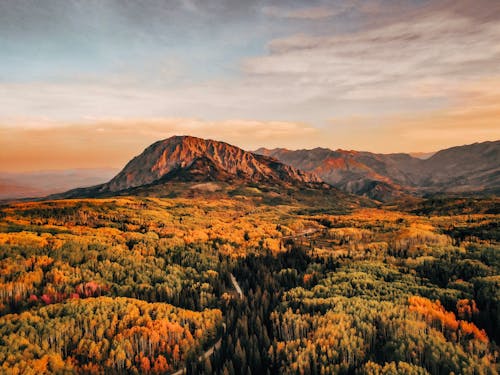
201 258
315 293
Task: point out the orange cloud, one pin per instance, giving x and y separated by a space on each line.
472 116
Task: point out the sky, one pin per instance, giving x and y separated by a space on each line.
91 83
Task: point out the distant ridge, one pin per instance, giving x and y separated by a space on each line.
183 165
469 168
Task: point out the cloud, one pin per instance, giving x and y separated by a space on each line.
471 117
385 70
309 13
303 77
393 61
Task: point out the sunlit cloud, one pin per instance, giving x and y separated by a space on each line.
419 60
377 75
392 61
471 117
306 13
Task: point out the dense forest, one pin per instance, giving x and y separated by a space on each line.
150 285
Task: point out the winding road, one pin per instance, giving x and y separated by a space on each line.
217 345
305 232
237 287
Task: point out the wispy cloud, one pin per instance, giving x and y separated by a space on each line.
305 13
418 62
391 61
382 69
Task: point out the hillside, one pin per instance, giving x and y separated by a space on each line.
184 158
464 168
198 164
388 176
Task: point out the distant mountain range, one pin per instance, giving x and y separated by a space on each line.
42 183
209 165
385 177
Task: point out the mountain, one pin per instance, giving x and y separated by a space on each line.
184 164
10 189
472 167
387 177
421 155
181 165
378 176
190 159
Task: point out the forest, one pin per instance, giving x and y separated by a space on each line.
242 286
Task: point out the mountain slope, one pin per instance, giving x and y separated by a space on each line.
187 166
355 172
190 159
465 168
190 167
385 177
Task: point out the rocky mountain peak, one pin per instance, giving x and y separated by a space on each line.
187 158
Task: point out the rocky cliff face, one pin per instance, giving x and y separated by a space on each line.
184 158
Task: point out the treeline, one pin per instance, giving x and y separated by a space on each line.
87 266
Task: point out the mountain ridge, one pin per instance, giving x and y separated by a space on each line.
44 182
187 158
385 177
187 166
209 164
